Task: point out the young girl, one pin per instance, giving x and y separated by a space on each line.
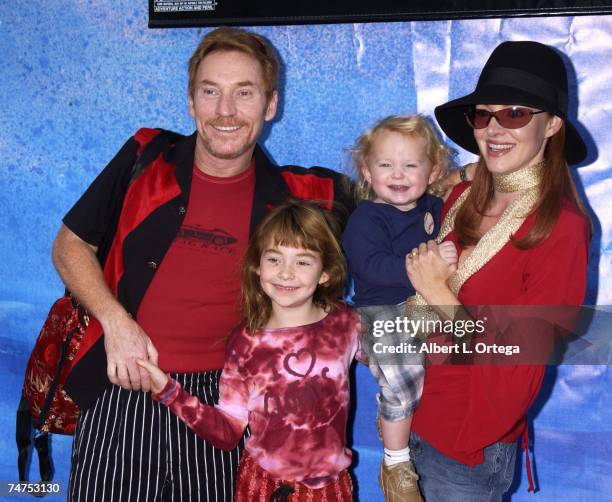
395 161
286 369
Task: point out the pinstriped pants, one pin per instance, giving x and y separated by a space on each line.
128 447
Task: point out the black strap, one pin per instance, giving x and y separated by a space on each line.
54 383
41 443
23 435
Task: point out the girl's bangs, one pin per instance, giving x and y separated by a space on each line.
286 232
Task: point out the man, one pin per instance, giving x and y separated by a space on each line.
169 289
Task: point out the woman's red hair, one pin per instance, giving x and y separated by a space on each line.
556 187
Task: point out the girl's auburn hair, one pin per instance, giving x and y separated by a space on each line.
298 224
557 184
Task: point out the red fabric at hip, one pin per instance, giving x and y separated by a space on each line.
254 484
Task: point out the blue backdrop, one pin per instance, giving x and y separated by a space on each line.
79 77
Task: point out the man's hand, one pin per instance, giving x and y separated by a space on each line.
125 342
158 378
124 339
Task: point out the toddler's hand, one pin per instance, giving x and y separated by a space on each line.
158 378
448 252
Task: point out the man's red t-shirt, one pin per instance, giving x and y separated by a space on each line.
193 301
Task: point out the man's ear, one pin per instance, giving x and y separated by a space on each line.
190 106
271 106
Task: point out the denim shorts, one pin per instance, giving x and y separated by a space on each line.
443 479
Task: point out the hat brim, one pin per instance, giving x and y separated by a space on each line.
451 118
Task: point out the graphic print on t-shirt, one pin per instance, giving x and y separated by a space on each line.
192 302
214 240
303 397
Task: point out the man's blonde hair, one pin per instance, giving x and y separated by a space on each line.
234 39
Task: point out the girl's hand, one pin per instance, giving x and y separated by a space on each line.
428 272
448 252
158 378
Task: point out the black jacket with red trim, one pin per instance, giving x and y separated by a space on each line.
152 208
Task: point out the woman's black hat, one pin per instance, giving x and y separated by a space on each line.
517 73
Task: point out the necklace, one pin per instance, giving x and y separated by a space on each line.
522 179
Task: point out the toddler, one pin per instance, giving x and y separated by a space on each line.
395 161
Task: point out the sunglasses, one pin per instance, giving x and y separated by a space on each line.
513 117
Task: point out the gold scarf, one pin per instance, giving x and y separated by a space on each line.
522 179
494 239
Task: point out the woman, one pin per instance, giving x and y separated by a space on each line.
523 236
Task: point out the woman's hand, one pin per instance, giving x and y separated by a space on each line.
158 378
429 272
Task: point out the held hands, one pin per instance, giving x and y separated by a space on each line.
158 378
429 268
125 342
448 252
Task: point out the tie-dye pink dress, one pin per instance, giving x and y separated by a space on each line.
291 386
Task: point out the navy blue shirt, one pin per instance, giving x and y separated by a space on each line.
376 240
